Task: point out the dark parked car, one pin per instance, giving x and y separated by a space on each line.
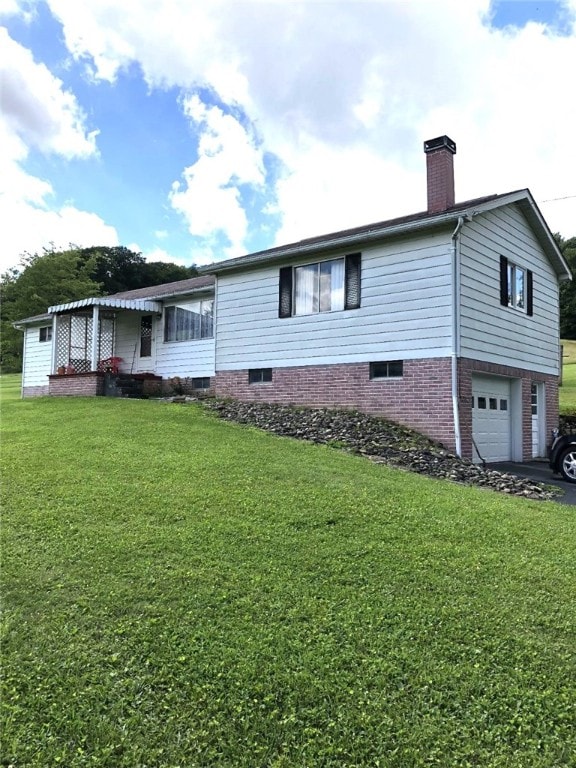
563 457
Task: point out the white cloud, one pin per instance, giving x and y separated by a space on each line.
29 228
37 108
344 93
39 114
228 158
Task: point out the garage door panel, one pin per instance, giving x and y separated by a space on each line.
491 423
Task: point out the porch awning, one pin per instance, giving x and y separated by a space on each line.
108 302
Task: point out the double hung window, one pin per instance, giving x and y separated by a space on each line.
194 320
45 333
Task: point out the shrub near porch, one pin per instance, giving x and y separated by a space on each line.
183 591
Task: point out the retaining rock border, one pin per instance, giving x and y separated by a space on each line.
377 439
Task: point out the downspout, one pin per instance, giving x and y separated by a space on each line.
456 331
23 378
215 327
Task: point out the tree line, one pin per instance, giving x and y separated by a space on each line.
55 277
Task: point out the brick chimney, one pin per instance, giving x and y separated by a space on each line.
440 173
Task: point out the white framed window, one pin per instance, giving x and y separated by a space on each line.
323 286
45 333
516 286
319 287
193 320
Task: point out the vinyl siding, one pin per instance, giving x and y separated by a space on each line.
405 313
38 359
489 331
185 358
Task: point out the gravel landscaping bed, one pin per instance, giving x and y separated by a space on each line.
379 440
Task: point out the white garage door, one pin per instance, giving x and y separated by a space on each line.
491 425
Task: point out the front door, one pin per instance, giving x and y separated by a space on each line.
537 408
146 344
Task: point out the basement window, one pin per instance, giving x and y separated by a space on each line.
45 333
201 382
390 369
259 375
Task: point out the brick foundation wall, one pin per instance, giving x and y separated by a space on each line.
79 384
421 399
466 369
178 385
37 391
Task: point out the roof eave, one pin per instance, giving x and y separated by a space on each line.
191 292
522 197
330 243
546 238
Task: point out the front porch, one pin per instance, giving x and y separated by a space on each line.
84 358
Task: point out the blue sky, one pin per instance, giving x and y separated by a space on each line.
215 129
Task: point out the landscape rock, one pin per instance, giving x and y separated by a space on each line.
377 439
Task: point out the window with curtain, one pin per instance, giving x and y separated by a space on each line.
325 286
193 320
319 287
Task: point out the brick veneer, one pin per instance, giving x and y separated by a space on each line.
76 384
466 369
37 391
420 399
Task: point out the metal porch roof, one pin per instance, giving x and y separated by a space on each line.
108 302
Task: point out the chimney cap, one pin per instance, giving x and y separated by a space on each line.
442 142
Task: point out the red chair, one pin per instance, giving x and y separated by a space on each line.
110 365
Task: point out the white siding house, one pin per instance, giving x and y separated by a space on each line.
445 320
456 332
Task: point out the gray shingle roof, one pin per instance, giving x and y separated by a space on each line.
167 289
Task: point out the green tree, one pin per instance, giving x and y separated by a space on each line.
43 280
120 269
568 289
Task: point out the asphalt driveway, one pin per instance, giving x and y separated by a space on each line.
540 472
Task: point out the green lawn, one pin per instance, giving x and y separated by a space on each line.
181 591
568 388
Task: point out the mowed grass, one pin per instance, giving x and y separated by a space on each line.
180 591
568 388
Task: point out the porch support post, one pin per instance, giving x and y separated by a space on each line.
95 337
54 360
